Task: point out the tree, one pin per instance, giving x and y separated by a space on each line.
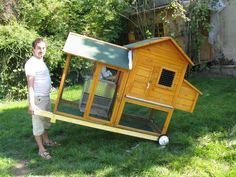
53 20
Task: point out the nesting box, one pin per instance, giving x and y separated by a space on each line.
145 84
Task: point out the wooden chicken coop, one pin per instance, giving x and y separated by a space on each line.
132 89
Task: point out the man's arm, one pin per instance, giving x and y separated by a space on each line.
30 84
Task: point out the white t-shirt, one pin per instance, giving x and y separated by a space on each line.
42 81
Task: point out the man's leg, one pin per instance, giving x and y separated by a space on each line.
45 138
42 151
39 141
39 130
47 142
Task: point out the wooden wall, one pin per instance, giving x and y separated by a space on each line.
148 62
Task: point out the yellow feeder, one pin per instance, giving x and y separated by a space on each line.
132 89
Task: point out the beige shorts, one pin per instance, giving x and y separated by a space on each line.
41 123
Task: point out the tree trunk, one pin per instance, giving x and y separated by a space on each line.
7 10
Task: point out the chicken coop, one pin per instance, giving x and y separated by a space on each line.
131 89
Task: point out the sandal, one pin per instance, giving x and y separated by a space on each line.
45 155
51 144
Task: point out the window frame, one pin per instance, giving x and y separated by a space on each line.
159 77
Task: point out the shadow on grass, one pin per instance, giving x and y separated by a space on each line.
90 152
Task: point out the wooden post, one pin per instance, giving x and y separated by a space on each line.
119 104
167 122
92 90
63 78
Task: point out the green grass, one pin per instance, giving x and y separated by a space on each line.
201 144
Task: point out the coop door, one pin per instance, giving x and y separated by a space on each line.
105 93
140 80
144 78
73 85
150 81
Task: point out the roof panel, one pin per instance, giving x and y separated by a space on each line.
142 43
158 40
96 50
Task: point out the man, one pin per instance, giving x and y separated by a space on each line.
39 86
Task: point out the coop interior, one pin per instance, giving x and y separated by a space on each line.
74 103
143 118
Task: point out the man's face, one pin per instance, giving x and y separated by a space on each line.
39 50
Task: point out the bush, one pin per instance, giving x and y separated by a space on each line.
53 20
48 17
15 48
55 59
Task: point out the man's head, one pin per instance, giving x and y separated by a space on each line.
39 48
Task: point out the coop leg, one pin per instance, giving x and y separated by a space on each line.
167 122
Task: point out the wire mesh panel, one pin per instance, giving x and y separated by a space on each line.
102 99
143 118
104 88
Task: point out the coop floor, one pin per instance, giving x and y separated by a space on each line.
127 121
76 111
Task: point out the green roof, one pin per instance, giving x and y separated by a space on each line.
142 43
96 50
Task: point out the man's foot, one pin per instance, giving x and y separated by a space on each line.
45 155
51 144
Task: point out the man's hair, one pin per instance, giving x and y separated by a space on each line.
36 41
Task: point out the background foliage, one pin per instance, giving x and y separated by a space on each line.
107 20
15 47
22 21
198 27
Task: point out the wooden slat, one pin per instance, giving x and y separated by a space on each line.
119 97
137 91
187 98
140 78
147 103
125 131
65 72
164 59
163 98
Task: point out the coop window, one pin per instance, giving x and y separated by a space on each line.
166 78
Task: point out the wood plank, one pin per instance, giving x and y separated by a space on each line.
183 107
164 59
184 104
63 78
125 131
167 122
167 99
92 91
140 85
136 91
120 92
142 71
148 103
140 79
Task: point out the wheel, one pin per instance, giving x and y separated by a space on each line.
163 140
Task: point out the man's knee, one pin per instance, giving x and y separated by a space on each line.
38 132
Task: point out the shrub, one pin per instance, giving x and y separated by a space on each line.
15 48
48 17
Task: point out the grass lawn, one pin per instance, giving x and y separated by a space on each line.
201 144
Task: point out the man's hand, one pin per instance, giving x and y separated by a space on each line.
32 108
